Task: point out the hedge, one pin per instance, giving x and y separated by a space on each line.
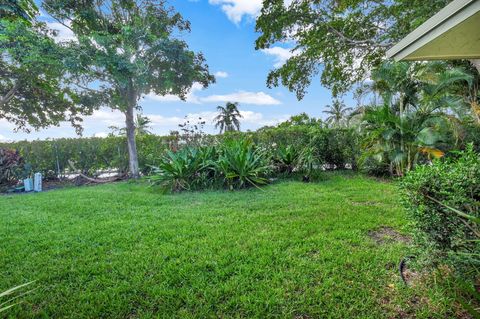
336 148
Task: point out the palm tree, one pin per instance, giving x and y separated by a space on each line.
142 126
338 113
227 119
417 114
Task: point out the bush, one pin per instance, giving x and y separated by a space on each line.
374 167
430 193
11 164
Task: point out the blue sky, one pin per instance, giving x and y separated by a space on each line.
224 30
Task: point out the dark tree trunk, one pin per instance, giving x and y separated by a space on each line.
132 145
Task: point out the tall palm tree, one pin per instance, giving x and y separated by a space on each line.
227 119
338 113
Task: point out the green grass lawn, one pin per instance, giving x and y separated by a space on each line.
293 250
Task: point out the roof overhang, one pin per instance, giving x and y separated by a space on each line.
453 33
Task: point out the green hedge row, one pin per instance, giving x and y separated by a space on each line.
89 155
336 148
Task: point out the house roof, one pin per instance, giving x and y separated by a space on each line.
453 33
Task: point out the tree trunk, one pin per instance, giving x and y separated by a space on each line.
132 145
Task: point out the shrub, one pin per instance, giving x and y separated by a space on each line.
241 164
308 161
286 159
11 164
375 167
430 194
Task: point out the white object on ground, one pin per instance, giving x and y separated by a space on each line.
28 184
37 182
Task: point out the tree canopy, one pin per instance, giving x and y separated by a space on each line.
341 39
35 89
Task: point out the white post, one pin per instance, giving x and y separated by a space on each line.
28 184
37 182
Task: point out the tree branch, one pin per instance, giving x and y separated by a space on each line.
10 94
358 43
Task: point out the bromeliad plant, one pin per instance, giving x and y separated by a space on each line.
235 164
177 171
286 159
241 164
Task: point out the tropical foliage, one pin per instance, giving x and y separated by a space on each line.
35 89
416 120
186 169
344 39
242 164
142 126
286 159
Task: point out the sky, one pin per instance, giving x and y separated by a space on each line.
224 31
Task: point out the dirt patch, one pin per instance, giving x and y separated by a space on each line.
385 235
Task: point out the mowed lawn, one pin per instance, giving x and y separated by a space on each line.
293 250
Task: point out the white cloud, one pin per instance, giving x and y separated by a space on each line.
106 117
64 33
190 98
3 138
237 9
100 134
160 120
221 74
256 98
98 124
280 54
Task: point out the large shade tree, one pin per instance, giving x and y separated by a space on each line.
342 39
35 89
127 49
